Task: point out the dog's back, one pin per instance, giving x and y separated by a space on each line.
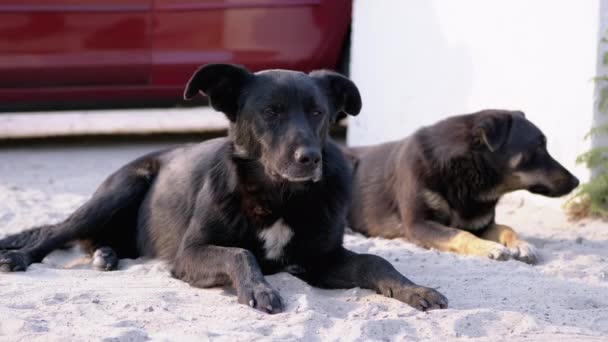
372 210
162 217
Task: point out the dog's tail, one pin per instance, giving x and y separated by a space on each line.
25 238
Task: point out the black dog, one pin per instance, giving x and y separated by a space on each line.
439 187
272 196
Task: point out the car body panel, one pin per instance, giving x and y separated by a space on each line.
113 50
63 43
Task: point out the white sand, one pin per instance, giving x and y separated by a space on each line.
562 299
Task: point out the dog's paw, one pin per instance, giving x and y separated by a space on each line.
525 251
492 250
261 297
419 297
13 261
105 259
499 252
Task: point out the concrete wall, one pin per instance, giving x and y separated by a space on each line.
417 61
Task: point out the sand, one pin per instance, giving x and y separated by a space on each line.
563 298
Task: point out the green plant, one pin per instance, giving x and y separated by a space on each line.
591 198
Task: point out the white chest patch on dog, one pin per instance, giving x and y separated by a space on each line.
275 238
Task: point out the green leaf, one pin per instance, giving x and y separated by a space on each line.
603 103
595 157
595 131
600 79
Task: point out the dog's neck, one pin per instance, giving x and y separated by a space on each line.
455 170
262 195
469 178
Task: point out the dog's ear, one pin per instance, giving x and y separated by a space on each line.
222 83
342 92
492 132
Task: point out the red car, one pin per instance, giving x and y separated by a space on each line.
102 51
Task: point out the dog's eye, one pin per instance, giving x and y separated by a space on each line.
317 112
273 110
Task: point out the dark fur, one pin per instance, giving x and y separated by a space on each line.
402 187
203 207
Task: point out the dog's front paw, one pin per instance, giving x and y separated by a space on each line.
490 249
524 251
499 252
419 297
13 261
261 297
105 259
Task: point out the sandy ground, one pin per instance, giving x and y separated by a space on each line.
562 299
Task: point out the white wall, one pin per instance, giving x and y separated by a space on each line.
417 61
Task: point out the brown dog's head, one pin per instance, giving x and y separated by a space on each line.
518 150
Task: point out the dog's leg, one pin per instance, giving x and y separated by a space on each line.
209 266
434 235
26 237
119 196
505 235
345 269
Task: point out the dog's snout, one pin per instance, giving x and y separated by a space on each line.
307 156
574 181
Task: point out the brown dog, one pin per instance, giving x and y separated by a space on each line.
439 187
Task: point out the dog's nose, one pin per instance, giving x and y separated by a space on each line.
307 156
575 182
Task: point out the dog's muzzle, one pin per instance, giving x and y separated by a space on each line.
316 176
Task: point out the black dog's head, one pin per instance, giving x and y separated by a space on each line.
518 150
279 117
